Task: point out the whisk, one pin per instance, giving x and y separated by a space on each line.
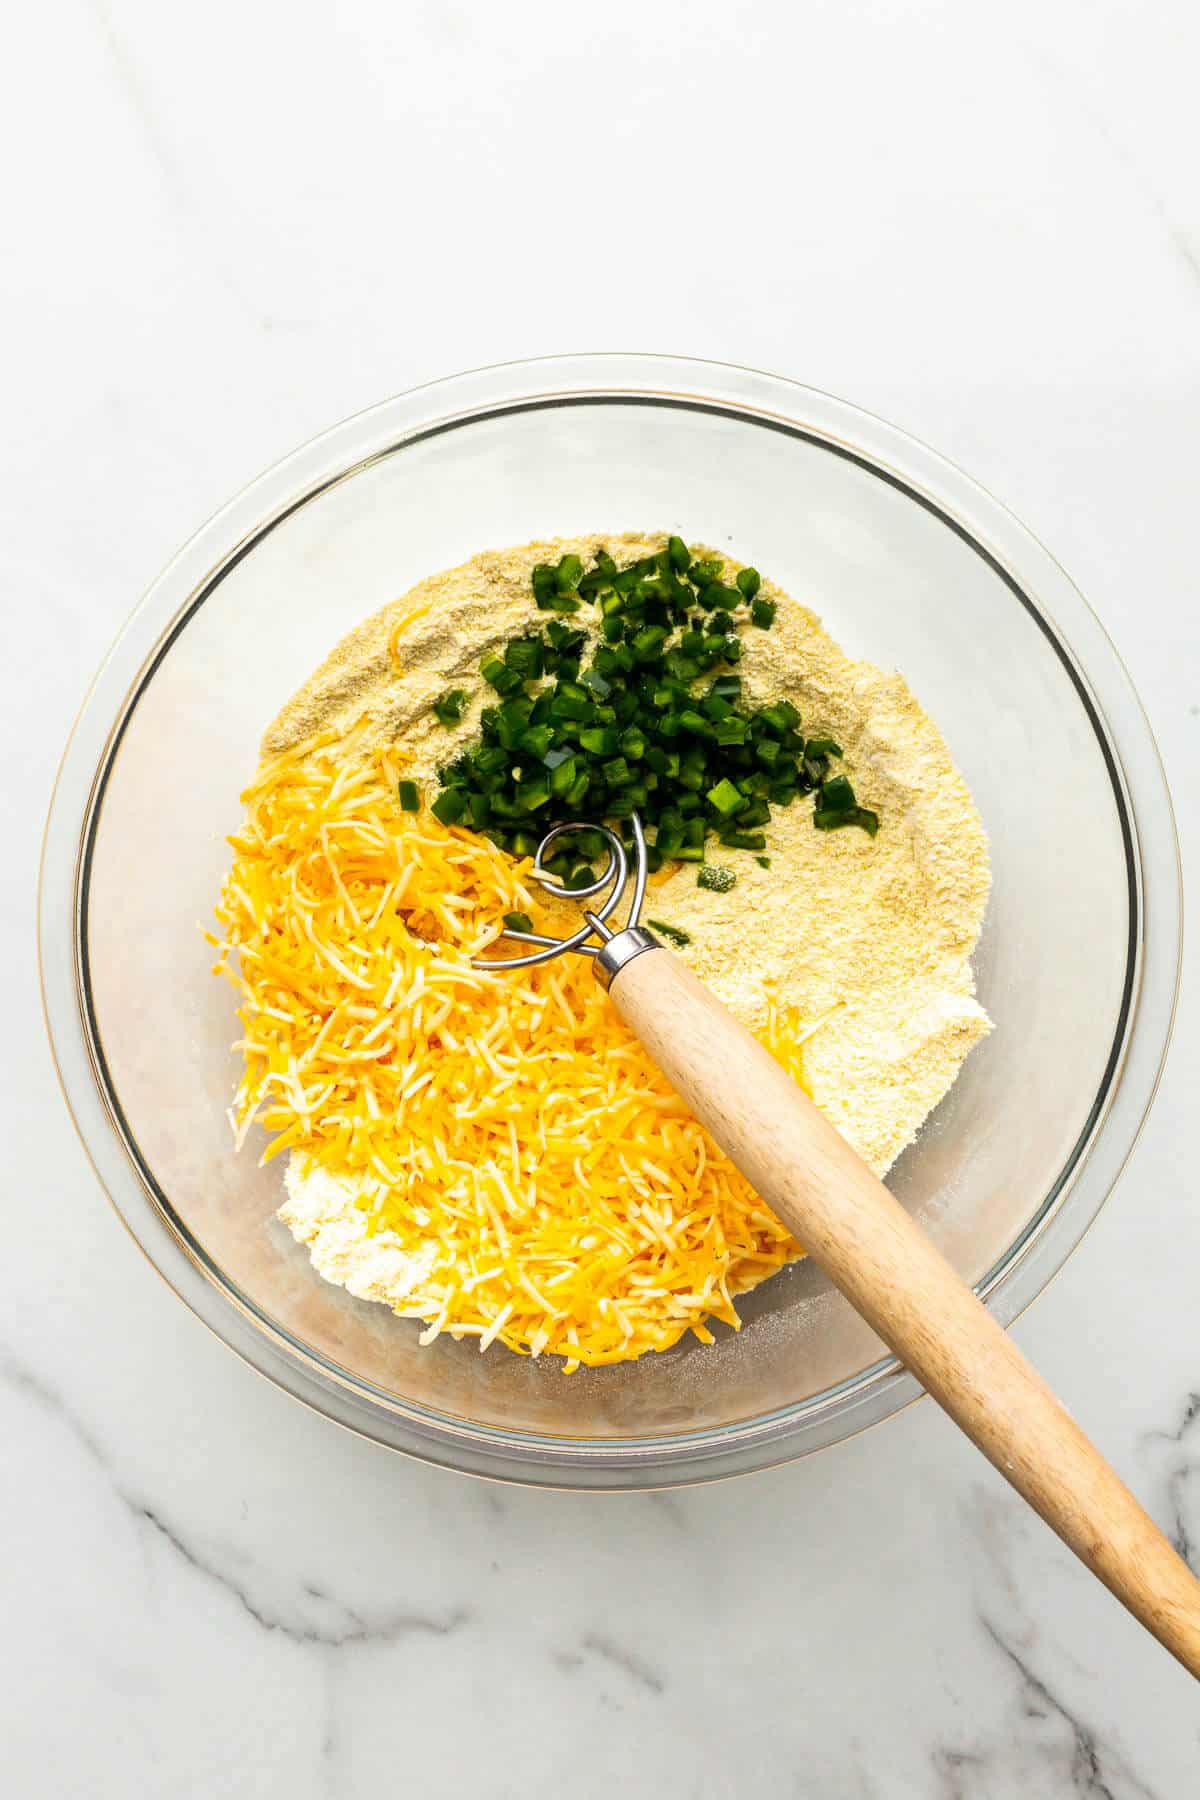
847 1220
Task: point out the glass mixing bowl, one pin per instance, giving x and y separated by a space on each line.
910 564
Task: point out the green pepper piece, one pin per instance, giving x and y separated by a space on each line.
836 795
533 793
703 574
716 878
449 707
450 805
571 702
498 675
672 933
648 643
536 740
857 815
568 573
562 776
525 656
725 799
600 740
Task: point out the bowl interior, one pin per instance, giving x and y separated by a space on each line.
896 581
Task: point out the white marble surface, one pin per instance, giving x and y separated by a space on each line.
227 226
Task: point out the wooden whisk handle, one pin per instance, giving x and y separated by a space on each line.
890 1272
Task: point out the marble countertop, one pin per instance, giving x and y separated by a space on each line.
233 225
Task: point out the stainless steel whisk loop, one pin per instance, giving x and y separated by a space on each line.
614 878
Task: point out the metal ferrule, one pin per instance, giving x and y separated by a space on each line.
620 950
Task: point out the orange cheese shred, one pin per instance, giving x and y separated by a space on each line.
402 624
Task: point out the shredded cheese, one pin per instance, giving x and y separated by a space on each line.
510 1121
402 624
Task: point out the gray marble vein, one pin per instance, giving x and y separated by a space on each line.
142 105
1180 1451
1065 1745
334 1624
1047 1736
630 1662
310 1615
1183 242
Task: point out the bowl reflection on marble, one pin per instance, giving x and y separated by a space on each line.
909 564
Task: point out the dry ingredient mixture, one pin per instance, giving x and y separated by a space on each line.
495 1155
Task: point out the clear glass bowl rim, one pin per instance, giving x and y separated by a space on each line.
1064 1215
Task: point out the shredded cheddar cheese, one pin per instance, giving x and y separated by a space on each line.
511 1122
402 624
